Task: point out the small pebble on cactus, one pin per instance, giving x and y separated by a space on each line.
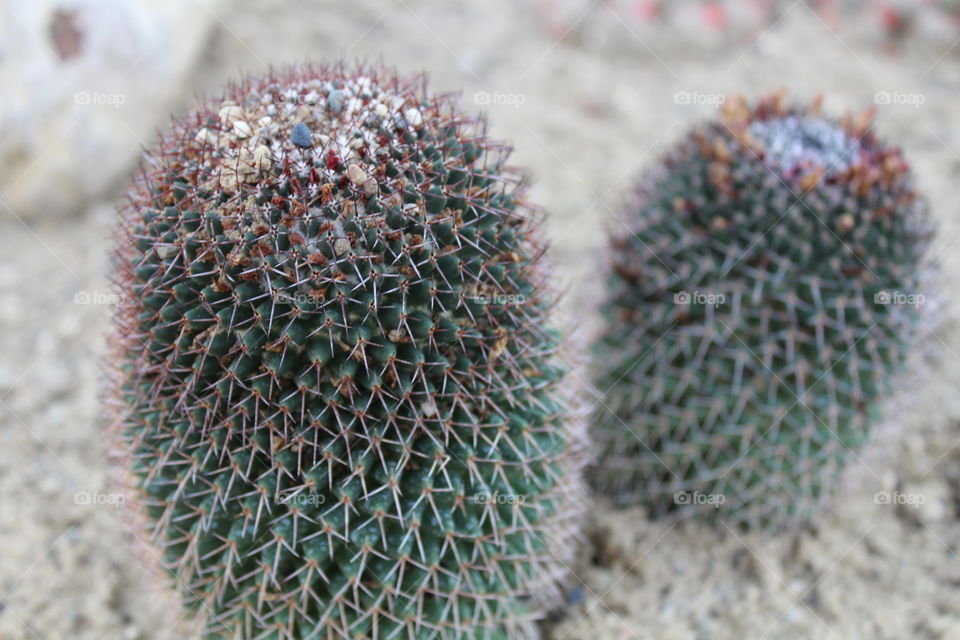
761 300
334 375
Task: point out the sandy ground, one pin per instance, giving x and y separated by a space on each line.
585 113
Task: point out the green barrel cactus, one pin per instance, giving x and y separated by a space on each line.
334 374
761 300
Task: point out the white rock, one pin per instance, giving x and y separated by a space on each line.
413 116
242 129
81 100
262 159
357 175
230 114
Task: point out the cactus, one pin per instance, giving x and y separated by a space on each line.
760 301
334 380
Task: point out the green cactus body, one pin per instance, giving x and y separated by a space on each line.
759 302
334 374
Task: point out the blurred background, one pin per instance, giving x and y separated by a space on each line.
588 92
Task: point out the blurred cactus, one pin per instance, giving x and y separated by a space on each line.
760 301
334 377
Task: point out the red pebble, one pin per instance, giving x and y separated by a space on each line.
332 160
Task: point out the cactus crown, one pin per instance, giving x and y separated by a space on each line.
335 377
748 334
